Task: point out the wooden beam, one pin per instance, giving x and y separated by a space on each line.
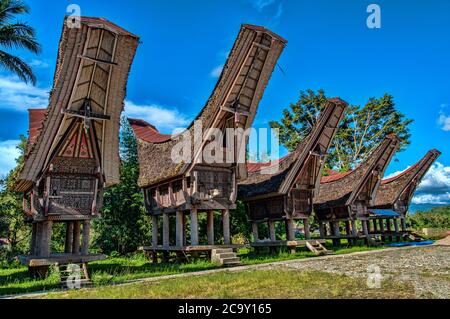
96 60
226 227
210 227
154 230
179 229
194 227
255 232
290 229
86 237
307 231
271 225
166 230
69 238
76 238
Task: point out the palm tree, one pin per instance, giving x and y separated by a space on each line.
15 35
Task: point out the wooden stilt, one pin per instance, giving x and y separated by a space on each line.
33 239
306 227
46 238
255 231
290 229
396 228
184 229
210 227
86 237
348 230
375 226
403 222
154 230
322 230
179 229
166 230
194 227
271 225
69 238
354 228
76 237
226 226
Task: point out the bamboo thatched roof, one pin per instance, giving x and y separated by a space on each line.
93 64
240 88
404 184
343 189
272 180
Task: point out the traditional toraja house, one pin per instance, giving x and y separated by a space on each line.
344 198
284 191
193 186
72 151
394 197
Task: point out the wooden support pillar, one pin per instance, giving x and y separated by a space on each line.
76 237
226 226
179 229
166 230
331 225
354 228
184 230
322 230
375 226
348 228
396 228
290 229
86 237
210 227
365 225
154 231
336 230
388 224
403 222
255 232
33 239
381 222
306 227
271 225
69 238
194 227
46 238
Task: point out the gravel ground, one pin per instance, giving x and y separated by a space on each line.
426 268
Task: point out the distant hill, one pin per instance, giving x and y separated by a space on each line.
423 207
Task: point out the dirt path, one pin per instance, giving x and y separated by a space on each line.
427 269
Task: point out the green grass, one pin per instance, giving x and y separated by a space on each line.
265 284
120 269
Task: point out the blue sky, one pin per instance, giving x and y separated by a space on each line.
184 44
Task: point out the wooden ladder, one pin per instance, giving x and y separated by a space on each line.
74 276
317 248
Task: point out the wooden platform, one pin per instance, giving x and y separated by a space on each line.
285 243
201 248
33 261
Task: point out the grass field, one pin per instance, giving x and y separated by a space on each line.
137 266
282 284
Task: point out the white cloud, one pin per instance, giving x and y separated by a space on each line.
8 155
435 186
395 173
165 120
215 73
444 122
19 96
444 118
261 4
40 64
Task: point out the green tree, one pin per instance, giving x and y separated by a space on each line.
16 35
12 219
124 225
361 131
